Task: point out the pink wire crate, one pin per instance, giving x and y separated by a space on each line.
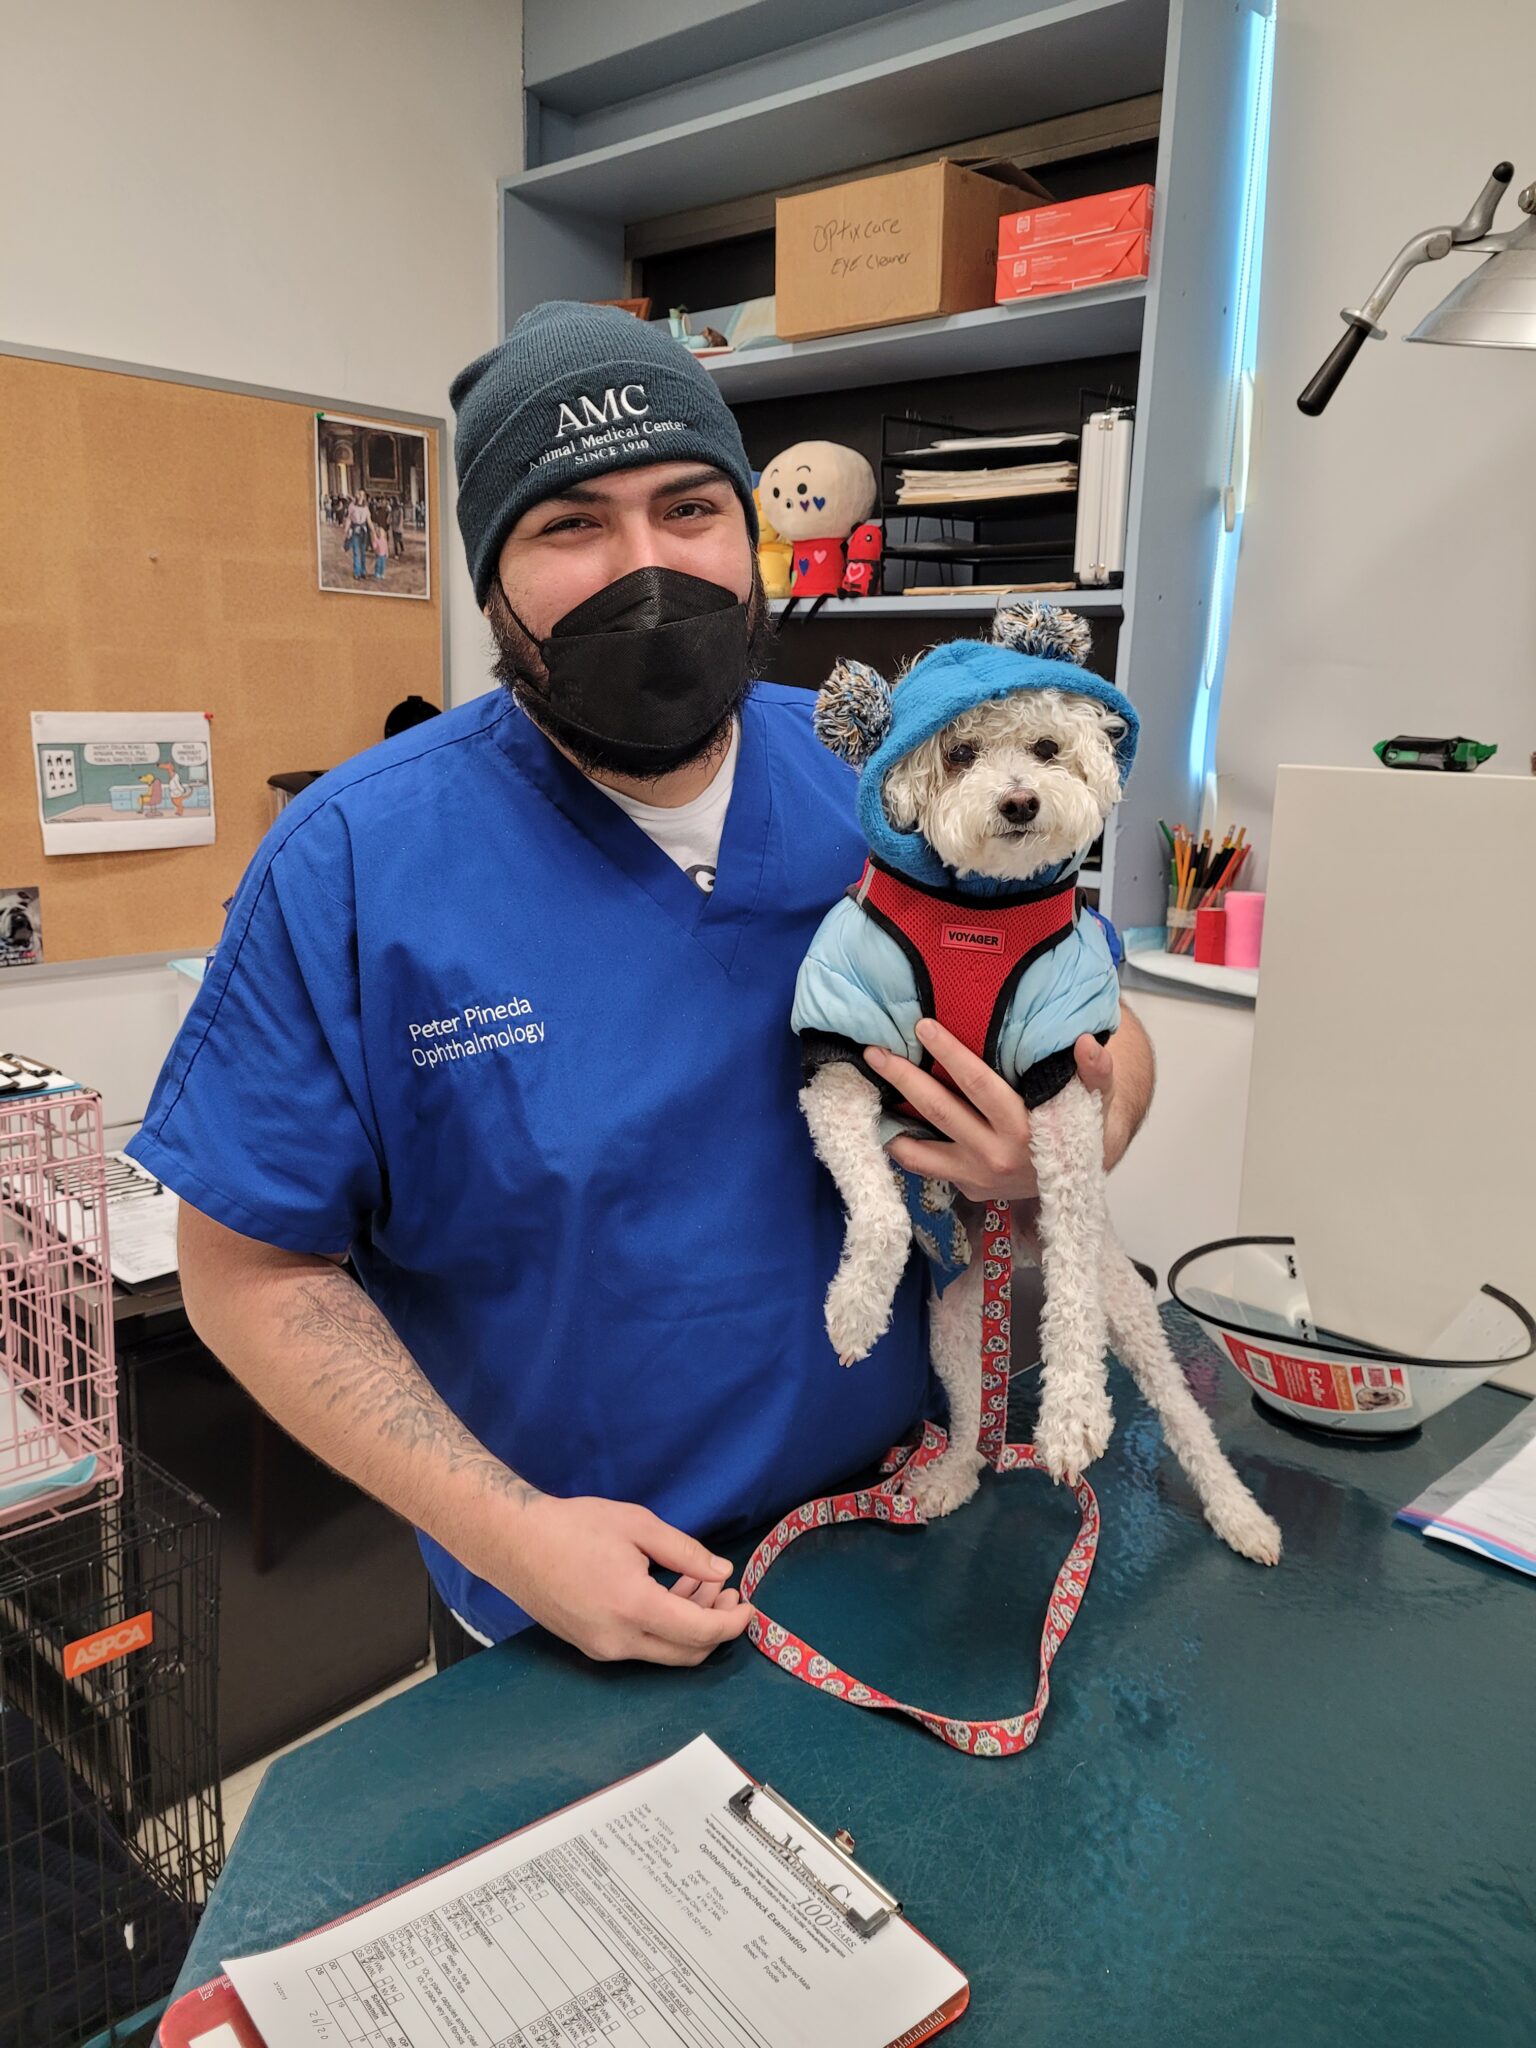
58 1372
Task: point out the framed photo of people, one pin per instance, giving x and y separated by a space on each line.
371 507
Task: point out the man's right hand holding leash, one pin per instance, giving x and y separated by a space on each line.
582 1568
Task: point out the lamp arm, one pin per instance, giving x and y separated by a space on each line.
1429 247
1479 218
1361 322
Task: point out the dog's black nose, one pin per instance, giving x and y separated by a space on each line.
1022 808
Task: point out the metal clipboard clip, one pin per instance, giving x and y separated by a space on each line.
839 1847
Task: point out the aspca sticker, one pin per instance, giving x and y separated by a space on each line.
971 938
124 1637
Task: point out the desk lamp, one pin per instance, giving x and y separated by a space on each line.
1493 308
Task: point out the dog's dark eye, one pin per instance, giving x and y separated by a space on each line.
959 757
1045 750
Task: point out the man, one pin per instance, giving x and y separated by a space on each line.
355 533
479 1019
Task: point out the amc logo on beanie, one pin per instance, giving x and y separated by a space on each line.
615 404
573 392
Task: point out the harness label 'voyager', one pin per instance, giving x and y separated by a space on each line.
477 1028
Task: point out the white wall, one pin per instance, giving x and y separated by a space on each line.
1384 584
1178 1185
177 192
111 1028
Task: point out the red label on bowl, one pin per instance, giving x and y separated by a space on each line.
1318 1383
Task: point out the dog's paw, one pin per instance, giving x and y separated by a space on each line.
1068 1443
1243 1524
855 1324
948 1483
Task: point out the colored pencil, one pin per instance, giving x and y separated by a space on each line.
1201 873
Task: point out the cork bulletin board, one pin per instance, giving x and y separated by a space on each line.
160 555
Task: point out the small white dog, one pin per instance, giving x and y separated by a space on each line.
988 772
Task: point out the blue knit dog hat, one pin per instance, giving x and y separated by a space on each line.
873 724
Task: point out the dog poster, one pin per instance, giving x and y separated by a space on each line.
123 781
371 507
21 928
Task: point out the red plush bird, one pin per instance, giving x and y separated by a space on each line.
865 546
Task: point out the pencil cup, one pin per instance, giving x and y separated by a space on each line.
1245 927
1181 923
1211 936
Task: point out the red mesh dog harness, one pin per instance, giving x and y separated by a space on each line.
967 954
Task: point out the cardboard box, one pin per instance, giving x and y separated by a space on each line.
908 245
1072 266
1100 213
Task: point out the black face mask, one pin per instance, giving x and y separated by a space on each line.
642 674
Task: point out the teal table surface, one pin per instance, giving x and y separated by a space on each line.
1271 1807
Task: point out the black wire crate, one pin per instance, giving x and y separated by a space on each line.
110 1813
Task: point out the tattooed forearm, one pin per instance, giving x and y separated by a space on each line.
362 1379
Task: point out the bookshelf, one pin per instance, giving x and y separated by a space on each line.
1104 322
962 604
683 108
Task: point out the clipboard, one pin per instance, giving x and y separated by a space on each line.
23 1076
213 2016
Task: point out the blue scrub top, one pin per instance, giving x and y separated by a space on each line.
470 1023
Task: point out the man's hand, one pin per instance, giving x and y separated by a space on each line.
318 1355
987 1157
583 1568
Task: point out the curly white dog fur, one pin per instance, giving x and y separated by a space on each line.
1011 789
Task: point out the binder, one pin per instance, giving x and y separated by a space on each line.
213 2016
1103 497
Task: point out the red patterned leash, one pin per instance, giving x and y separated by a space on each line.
886 1502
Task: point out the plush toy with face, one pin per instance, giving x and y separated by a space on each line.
774 553
866 544
815 494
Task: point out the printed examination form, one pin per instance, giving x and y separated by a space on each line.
648 1916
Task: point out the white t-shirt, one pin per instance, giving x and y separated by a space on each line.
688 833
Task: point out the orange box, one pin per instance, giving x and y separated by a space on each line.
1100 213
1072 266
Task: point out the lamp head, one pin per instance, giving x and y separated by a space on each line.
1495 307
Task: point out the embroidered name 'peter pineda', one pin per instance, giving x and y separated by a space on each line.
461 1036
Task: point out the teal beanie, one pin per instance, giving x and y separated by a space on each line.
574 392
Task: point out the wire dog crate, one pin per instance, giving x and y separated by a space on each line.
58 1380
110 1815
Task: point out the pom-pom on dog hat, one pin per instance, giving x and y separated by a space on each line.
873 724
